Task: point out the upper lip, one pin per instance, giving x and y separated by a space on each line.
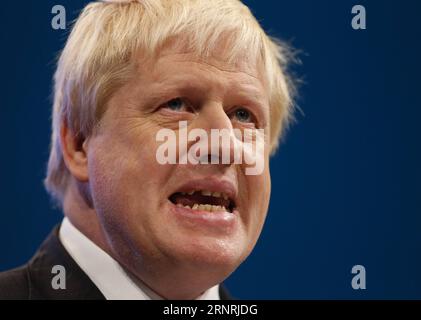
213 185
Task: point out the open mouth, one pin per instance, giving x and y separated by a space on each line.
203 200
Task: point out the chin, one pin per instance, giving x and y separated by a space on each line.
201 239
223 254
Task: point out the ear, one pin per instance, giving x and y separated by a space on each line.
75 153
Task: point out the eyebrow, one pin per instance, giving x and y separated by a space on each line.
182 86
250 92
160 92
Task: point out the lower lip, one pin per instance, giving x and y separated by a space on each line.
221 220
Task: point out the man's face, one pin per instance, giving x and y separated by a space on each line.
141 204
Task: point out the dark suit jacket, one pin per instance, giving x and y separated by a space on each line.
33 281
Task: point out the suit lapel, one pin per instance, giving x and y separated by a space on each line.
77 283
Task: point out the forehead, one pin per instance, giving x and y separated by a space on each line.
173 66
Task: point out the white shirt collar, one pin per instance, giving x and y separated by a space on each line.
105 272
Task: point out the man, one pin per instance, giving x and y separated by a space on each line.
135 228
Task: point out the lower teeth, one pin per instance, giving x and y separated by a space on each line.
204 207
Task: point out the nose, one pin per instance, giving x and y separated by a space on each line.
221 139
213 116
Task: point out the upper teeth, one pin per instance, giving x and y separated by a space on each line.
208 193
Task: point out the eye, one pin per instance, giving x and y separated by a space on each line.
243 115
177 104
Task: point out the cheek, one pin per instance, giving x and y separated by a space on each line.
258 201
123 171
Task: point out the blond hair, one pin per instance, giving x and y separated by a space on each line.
98 57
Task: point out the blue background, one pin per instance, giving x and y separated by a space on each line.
346 182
